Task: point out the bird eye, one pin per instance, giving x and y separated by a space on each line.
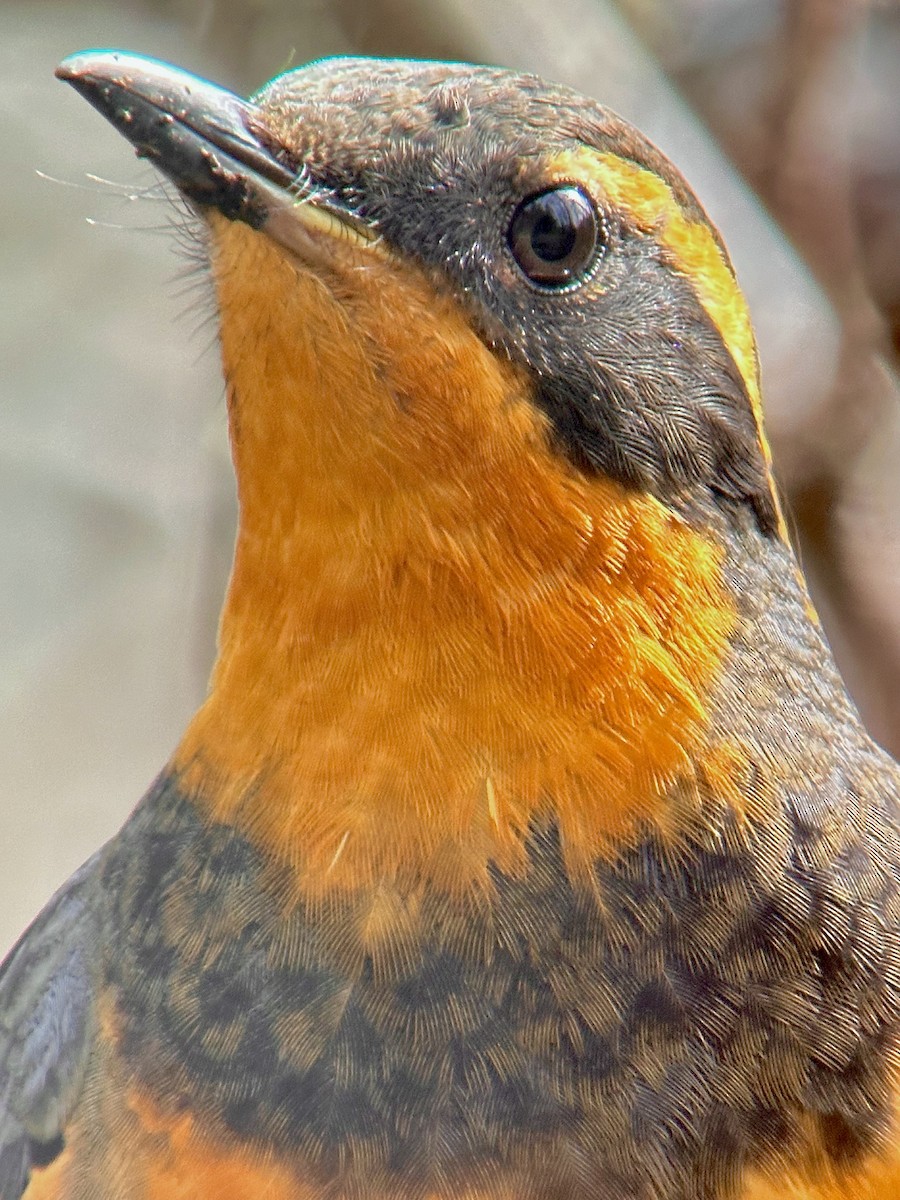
554 236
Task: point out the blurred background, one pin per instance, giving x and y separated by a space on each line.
116 499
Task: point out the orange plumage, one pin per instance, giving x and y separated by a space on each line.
527 844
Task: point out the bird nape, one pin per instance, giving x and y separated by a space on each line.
527 844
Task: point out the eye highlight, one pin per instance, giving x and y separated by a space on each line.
554 236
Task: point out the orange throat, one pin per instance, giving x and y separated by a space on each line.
437 631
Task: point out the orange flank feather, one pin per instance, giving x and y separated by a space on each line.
878 1178
182 1163
175 1162
125 1144
434 624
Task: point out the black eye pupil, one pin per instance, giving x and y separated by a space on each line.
554 236
551 240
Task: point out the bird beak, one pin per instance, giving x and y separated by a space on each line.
214 146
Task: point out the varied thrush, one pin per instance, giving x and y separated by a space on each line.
527 845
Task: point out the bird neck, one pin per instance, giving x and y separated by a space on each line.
779 693
438 631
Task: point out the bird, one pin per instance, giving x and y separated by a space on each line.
527 844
